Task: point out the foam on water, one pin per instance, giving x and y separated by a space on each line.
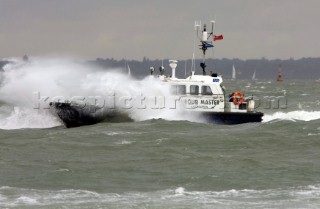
22 117
124 142
298 115
23 200
297 197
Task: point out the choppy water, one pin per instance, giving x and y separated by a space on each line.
160 163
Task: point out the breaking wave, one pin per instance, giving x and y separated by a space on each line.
301 197
298 115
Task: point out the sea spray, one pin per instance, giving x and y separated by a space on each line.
28 88
22 117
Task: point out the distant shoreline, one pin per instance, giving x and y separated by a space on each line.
304 68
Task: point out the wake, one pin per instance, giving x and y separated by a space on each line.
298 115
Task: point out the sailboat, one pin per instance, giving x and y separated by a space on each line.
233 73
129 70
127 67
254 76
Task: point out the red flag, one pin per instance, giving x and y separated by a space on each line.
216 38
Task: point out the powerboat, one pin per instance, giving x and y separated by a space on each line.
202 94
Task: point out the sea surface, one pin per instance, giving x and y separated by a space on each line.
165 163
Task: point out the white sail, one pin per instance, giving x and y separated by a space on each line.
233 72
254 76
129 70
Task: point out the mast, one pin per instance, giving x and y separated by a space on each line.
204 49
205 44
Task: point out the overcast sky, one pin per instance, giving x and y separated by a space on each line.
133 29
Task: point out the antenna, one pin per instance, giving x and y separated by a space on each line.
193 64
197 27
213 22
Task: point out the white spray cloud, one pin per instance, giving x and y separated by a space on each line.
23 82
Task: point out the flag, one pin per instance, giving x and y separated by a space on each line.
216 38
207 44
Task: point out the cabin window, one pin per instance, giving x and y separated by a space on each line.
178 89
206 90
194 90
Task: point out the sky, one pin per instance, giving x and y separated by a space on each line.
134 29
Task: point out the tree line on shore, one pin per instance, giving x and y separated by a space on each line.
304 68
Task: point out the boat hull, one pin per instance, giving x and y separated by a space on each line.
74 116
234 117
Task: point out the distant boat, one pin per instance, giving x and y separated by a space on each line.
129 70
233 73
127 67
280 74
254 76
